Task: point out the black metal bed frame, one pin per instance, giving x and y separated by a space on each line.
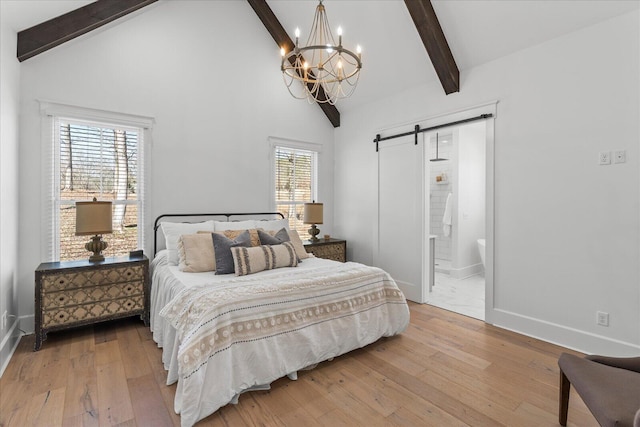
157 222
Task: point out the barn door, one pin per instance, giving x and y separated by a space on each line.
400 215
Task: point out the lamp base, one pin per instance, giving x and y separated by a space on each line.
96 245
314 231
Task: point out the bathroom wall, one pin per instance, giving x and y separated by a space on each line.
439 192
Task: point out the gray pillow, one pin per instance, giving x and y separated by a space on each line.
222 247
280 237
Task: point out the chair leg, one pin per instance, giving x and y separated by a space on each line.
565 388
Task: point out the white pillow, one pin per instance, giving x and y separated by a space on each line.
234 225
172 232
273 225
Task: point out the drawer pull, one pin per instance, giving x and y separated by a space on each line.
129 288
61 281
128 273
61 298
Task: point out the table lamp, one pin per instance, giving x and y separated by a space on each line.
312 214
94 218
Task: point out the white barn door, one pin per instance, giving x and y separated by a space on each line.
400 215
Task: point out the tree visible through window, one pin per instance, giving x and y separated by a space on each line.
101 161
295 176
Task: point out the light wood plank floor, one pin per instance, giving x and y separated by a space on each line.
445 370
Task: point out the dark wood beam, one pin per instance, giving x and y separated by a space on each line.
428 26
282 39
56 31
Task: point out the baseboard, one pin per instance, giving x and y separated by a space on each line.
564 336
8 346
28 324
410 291
463 273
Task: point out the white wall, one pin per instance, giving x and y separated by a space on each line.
208 72
9 110
567 230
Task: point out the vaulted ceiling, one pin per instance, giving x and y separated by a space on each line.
394 54
53 32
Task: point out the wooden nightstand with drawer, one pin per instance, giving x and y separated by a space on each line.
77 293
335 249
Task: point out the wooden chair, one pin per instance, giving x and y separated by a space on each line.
609 386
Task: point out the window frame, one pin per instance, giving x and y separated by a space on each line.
52 114
295 145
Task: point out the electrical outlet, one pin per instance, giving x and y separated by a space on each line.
3 321
619 156
604 157
602 318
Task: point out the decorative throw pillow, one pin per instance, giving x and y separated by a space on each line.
265 257
276 238
253 234
173 230
222 248
298 245
195 253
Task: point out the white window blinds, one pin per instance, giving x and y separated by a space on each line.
295 184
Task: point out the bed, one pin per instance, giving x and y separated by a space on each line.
225 334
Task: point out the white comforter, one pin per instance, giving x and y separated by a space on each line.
225 334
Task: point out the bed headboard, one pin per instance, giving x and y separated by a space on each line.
195 217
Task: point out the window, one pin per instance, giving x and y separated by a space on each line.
95 159
295 184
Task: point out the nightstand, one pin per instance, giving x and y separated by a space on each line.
75 293
335 249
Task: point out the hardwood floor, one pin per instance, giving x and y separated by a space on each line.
444 370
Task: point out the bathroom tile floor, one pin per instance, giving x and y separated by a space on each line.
464 296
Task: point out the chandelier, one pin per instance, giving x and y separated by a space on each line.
325 71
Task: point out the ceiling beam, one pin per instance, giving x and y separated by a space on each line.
282 39
56 31
428 26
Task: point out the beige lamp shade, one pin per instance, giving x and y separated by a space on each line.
312 213
93 218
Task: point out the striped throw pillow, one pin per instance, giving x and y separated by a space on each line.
266 257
